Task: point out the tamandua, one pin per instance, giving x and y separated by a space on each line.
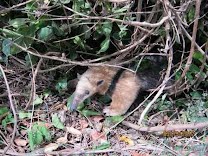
122 85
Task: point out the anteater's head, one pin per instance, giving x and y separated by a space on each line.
94 80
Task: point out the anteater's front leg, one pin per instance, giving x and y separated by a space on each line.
123 96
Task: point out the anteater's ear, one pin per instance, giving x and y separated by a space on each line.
78 76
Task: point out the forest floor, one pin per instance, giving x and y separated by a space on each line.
48 127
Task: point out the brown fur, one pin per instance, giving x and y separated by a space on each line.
124 94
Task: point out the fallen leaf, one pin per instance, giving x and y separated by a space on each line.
72 130
84 124
95 135
135 153
98 126
126 140
97 118
50 147
23 132
20 142
21 149
62 140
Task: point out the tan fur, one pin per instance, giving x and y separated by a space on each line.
102 73
123 96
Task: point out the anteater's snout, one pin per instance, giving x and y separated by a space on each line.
74 104
78 98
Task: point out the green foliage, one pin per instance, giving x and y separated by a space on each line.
8 118
61 85
102 146
3 110
193 108
37 134
57 122
190 15
30 60
45 33
38 100
33 30
23 115
113 120
87 112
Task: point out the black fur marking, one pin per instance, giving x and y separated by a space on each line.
114 81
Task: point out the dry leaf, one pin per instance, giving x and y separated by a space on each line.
72 130
84 124
62 140
97 118
23 132
126 140
135 153
20 142
21 149
95 135
50 147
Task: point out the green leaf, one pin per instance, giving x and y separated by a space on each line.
178 75
38 137
45 33
17 22
191 14
37 134
194 69
23 115
58 30
123 31
45 132
31 140
3 110
196 95
103 146
6 47
61 85
199 56
104 45
113 119
79 42
8 119
23 36
38 100
87 112
57 122
30 59
32 6
189 76
107 28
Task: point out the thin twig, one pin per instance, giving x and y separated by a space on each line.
13 111
4 11
82 152
170 58
166 127
193 40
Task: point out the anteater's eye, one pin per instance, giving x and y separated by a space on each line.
100 82
87 92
